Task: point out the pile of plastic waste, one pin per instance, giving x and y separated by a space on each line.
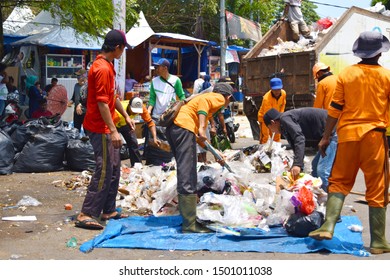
242 198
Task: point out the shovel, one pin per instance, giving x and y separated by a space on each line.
217 156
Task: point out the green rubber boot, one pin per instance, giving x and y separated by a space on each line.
377 218
333 209
187 208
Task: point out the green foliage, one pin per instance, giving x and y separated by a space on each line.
91 16
309 13
198 18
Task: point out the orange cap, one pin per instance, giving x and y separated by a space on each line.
318 67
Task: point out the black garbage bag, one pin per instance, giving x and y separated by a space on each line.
20 137
73 133
7 153
124 152
44 150
79 155
300 225
153 155
9 128
23 132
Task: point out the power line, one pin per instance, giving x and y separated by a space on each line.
331 5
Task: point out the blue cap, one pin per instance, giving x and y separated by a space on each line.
276 83
163 62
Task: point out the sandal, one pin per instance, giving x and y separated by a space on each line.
115 217
89 224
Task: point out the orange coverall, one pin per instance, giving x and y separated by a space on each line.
361 105
269 102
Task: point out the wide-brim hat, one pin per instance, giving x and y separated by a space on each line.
370 44
271 115
319 66
225 89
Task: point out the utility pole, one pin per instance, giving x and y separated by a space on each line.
120 64
251 42
223 38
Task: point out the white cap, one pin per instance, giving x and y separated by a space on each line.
202 74
136 105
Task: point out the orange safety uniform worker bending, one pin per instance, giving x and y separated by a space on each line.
360 104
275 98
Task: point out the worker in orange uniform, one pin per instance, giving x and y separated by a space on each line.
362 144
189 128
326 85
274 98
325 88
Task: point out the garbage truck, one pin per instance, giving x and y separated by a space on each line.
332 47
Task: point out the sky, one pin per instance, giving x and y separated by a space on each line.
324 11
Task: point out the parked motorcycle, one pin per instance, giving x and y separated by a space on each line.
231 127
12 110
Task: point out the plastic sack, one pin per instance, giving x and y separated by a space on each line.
300 225
228 210
324 23
79 155
73 133
28 201
7 153
305 196
166 194
44 151
153 155
220 142
124 152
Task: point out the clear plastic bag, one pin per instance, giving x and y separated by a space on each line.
28 201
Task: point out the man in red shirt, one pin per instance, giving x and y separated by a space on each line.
42 110
98 123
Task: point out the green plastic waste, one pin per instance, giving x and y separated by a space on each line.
220 142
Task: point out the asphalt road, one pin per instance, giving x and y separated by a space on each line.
46 238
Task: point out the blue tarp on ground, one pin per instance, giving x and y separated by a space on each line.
164 233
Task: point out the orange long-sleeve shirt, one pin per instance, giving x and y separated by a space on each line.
269 102
120 120
361 101
325 90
